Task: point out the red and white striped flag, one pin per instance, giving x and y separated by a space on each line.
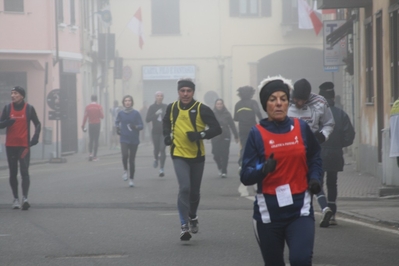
136 25
308 18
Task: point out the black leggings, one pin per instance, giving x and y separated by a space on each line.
159 148
21 155
94 134
129 151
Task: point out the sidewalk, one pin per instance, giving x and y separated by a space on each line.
358 194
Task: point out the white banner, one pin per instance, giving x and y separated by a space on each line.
333 56
168 72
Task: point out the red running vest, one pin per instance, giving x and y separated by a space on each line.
290 154
17 134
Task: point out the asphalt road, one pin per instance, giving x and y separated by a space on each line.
83 213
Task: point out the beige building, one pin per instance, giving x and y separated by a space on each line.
221 44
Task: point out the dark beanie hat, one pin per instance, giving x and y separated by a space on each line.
327 90
269 88
20 90
185 83
302 89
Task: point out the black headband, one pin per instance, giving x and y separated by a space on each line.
185 83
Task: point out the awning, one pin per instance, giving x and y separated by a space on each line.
335 4
335 36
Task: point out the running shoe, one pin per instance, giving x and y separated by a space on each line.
15 204
155 164
326 216
224 175
161 172
124 176
95 159
220 172
333 221
25 204
185 233
131 184
90 158
193 225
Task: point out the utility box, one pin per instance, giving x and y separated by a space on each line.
48 135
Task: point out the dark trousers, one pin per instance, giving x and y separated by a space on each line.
94 134
129 152
21 155
221 151
159 148
332 191
298 234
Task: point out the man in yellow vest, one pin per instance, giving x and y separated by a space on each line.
184 130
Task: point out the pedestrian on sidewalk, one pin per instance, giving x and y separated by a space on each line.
246 111
315 110
221 143
331 150
184 130
129 123
155 114
16 117
94 113
394 130
282 156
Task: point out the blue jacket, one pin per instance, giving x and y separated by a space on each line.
130 124
254 157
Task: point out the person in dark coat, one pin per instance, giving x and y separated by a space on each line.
245 112
331 150
221 143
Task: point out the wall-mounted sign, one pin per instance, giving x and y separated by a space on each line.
168 72
334 56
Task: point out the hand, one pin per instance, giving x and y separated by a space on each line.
314 186
33 142
269 165
193 136
118 130
320 137
9 122
167 140
131 126
158 112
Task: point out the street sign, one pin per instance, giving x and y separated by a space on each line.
54 99
334 56
331 68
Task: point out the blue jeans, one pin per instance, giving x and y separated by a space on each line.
298 234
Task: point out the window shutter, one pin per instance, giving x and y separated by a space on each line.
266 8
234 8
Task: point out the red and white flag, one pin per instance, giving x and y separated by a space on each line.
136 25
308 18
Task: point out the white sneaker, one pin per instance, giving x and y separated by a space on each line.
25 204
124 176
161 172
131 184
15 204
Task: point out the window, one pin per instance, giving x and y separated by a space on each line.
72 7
165 16
394 53
290 12
369 60
250 8
14 5
60 11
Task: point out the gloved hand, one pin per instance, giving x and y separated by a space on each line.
118 130
131 126
320 137
34 141
193 136
269 165
9 122
84 129
314 186
167 140
158 112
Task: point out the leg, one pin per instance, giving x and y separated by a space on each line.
332 178
300 240
125 155
96 136
162 151
182 169
24 160
196 171
271 240
326 211
91 138
216 153
224 156
132 158
155 142
12 157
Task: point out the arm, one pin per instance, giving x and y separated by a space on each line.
315 170
5 119
166 124
38 126
253 159
349 131
232 126
210 120
150 114
138 122
326 122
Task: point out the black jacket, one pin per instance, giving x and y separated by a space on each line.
152 117
226 123
342 136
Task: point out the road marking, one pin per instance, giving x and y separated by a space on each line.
169 213
4 235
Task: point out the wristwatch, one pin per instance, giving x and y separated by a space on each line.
202 134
